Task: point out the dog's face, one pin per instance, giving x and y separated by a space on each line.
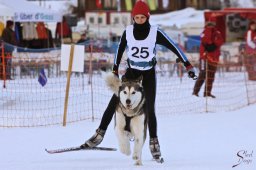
131 93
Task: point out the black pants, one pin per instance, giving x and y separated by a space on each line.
210 69
149 85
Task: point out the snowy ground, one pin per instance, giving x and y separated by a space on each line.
209 141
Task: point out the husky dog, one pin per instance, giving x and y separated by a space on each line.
131 121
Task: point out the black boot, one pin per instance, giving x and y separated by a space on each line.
195 94
95 140
154 148
209 95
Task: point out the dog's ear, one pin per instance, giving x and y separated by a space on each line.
139 79
141 89
124 79
120 89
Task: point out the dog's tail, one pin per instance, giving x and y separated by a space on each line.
112 81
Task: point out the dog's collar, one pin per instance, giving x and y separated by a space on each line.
137 110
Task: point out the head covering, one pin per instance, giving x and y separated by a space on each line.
211 21
252 22
141 7
9 23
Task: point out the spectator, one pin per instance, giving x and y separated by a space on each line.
1 64
63 32
1 45
211 41
250 51
82 39
9 39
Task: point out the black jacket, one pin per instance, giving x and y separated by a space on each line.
8 36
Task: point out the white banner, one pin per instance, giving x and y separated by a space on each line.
78 59
37 17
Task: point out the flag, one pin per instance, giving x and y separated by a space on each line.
42 79
107 3
118 4
165 3
128 4
152 5
98 4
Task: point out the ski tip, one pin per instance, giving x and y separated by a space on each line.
79 149
46 150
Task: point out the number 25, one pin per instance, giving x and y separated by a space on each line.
143 52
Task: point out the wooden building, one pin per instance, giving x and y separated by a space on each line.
156 6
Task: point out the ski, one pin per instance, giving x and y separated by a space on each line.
78 148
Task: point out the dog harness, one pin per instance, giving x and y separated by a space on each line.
141 53
128 120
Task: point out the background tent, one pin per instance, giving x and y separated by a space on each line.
27 12
179 19
232 22
5 11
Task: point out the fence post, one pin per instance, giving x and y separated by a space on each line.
245 81
90 79
206 85
68 84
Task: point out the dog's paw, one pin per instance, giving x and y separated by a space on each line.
138 163
125 150
135 156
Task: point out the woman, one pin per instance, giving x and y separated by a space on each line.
140 40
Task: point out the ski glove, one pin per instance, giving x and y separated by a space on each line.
115 70
191 72
115 73
190 69
210 47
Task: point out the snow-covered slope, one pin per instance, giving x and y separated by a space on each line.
188 142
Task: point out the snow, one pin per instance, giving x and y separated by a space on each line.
207 141
188 142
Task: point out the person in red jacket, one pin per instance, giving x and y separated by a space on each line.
250 51
211 41
63 32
